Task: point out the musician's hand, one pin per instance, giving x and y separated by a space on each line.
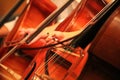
46 37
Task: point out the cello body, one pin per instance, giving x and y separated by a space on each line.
33 15
62 64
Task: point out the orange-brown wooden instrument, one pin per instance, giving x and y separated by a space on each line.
58 63
66 62
33 15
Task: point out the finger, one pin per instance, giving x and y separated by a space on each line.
59 35
49 38
50 42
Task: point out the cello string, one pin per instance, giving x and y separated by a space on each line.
54 61
41 67
81 6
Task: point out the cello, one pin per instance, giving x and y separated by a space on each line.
56 63
26 20
26 17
